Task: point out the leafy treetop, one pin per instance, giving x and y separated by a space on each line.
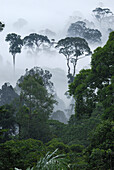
35 41
101 13
15 43
79 29
72 48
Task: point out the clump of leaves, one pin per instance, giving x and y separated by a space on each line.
51 162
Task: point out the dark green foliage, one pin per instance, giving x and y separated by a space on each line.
74 153
99 154
3 135
76 148
103 71
34 93
96 84
7 122
79 29
76 157
103 63
58 129
83 93
78 131
33 126
52 161
20 154
35 105
103 135
55 143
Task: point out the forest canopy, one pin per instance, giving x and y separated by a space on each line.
37 130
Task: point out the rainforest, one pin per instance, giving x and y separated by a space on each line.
57 100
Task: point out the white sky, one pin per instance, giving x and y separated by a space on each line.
47 12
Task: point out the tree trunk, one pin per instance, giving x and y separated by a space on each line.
74 64
68 66
14 62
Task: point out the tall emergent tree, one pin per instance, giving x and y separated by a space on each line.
92 86
36 104
105 19
73 48
98 81
103 74
15 43
35 42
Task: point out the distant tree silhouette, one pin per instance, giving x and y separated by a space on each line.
79 29
35 42
73 48
1 26
15 43
101 13
7 94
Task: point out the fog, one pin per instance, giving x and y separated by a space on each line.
24 17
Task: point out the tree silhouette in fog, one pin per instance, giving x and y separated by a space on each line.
79 29
73 48
1 26
15 43
36 42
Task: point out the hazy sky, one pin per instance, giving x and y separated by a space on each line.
47 12
40 14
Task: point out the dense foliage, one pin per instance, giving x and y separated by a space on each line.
99 81
35 105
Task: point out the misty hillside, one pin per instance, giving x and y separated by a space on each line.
56 85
